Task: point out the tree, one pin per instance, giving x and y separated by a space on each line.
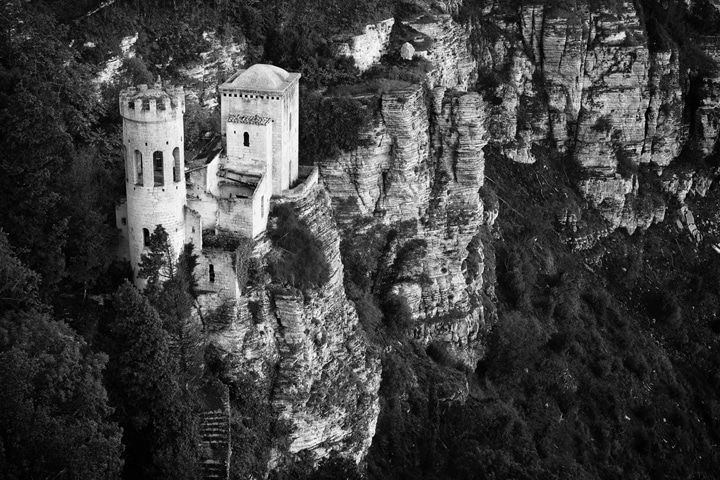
172 289
54 415
46 105
156 412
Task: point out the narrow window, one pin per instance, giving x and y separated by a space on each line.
262 206
176 164
138 167
158 168
290 122
123 152
146 237
246 139
211 271
123 221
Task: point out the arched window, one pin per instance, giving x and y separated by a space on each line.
246 139
138 168
158 168
176 165
211 272
146 237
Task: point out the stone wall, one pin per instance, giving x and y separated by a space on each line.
367 49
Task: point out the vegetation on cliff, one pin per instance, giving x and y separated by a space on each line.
603 363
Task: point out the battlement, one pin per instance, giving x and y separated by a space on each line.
157 103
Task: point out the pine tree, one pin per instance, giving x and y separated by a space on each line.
155 410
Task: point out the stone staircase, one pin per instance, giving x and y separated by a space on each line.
215 435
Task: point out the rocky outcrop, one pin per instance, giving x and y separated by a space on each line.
325 382
449 51
217 63
367 48
583 79
707 114
424 168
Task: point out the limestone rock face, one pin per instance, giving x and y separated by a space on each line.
449 53
326 379
707 115
425 168
390 177
584 79
366 48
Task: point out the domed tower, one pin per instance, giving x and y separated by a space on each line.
154 166
269 92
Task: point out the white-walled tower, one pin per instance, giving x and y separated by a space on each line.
154 165
270 92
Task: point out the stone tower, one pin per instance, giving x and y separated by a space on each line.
154 166
265 92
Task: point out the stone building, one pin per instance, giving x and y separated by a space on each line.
225 189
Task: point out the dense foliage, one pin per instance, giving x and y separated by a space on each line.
54 412
602 363
299 259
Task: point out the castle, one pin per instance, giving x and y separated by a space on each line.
228 187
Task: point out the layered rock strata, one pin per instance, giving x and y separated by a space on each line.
425 168
584 79
326 380
707 114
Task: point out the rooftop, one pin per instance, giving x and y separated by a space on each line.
262 77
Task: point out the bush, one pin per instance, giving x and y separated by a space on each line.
602 125
397 314
663 306
300 261
331 125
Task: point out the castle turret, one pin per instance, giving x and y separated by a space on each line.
154 166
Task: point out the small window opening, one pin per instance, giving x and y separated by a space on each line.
262 206
138 167
158 168
246 139
123 221
176 164
146 237
211 271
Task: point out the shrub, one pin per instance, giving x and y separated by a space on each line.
301 261
664 307
397 314
331 125
603 124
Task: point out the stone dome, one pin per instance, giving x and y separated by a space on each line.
261 77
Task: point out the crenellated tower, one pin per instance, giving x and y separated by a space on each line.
154 166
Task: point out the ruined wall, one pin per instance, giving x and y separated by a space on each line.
367 48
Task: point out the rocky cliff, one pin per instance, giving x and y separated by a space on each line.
423 169
307 350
